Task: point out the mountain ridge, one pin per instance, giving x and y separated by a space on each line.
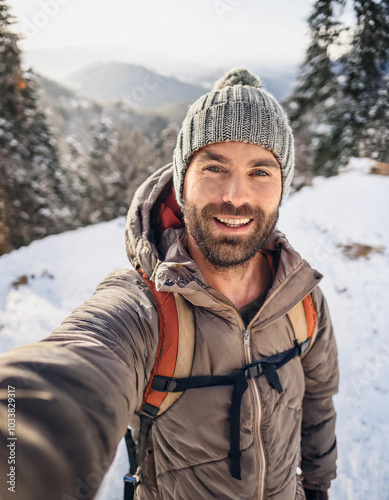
137 85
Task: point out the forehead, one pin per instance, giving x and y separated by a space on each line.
231 152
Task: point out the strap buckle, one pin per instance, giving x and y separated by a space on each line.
163 384
149 411
254 371
303 346
128 478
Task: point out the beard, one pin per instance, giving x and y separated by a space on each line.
225 252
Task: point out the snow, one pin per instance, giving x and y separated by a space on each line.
62 272
329 223
320 221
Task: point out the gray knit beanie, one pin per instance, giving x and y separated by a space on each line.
237 109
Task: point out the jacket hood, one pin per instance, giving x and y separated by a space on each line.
143 241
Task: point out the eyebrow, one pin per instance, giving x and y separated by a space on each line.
265 163
210 155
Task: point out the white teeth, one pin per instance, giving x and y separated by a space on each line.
233 222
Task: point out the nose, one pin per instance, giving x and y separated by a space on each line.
236 191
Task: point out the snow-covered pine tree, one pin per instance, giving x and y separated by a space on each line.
80 177
6 18
377 133
10 74
166 144
313 105
134 157
43 185
366 103
33 186
103 176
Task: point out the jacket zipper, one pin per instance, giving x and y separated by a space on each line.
252 387
257 407
258 419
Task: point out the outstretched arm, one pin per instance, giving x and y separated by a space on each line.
74 392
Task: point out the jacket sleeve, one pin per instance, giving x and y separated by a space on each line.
318 444
74 392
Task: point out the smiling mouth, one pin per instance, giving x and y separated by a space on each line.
233 222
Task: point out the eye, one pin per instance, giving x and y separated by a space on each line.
213 168
260 173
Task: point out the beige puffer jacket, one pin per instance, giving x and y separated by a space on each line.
78 389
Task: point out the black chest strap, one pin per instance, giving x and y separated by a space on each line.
266 366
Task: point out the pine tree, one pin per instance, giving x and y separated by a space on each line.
76 164
33 185
11 104
11 79
377 133
6 18
42 171
103 176
366 70
313 106
316 79
166 144
134 157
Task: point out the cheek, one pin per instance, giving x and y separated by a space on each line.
268 195
207 189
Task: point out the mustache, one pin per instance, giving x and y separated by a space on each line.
226 209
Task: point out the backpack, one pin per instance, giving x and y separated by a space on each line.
171 373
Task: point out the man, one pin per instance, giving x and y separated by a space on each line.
212 240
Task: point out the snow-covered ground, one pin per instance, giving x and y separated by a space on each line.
340 225
329 223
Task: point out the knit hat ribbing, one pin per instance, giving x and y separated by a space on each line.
237 109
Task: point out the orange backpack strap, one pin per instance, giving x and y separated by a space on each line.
175 348
303 319
186 347
174 358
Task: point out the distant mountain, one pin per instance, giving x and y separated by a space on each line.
133 84
56 90
71 114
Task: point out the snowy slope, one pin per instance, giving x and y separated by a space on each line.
346 210
339 225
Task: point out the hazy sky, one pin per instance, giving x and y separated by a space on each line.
163 33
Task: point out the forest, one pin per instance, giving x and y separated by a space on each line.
69 164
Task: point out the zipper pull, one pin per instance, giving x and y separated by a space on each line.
246 338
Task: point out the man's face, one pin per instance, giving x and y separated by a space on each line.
232 193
